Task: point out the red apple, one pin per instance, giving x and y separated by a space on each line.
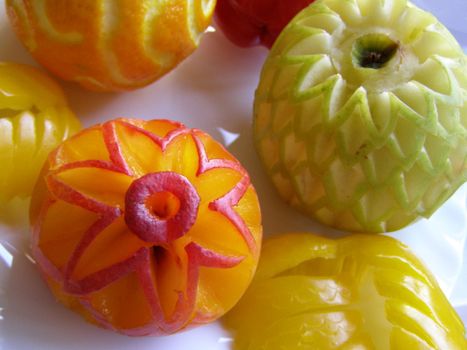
256 22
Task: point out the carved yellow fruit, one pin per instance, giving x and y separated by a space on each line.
34 118
110 45
359 292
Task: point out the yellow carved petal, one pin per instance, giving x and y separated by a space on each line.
34 118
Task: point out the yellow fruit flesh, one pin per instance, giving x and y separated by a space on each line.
74 189
34 118
360 292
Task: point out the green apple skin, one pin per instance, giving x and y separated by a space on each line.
360 114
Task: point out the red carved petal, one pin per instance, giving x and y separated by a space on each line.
160 128
162 142
104 277
109 214
97 183
145 275
85 145
140 262
113 146
225 206
87 239
100 164
136 135
43 262
62 191
147 282
197 257
206 164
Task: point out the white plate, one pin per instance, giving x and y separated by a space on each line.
213 91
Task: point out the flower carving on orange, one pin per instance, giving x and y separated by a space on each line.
145 227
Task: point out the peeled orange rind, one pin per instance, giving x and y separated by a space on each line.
107 45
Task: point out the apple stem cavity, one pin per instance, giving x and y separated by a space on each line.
373 51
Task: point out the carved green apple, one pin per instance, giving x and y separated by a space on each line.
360 114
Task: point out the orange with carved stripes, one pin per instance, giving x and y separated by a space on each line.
108 44
149 212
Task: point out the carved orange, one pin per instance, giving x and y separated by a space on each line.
110 45
151 213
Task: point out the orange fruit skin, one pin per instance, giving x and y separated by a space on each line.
110 45
88 243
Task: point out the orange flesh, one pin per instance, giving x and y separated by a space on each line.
123 303
164 205
185 290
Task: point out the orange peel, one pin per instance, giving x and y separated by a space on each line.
108 45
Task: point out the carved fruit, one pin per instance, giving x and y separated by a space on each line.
358 292
34 118
361 114
149 212
110 45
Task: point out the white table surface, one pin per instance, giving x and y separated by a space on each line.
213 91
